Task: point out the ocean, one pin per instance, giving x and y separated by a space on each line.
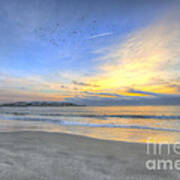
138 124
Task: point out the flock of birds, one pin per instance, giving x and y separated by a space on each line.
56 34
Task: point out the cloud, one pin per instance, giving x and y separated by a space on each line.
83 84
109 101
144 92
103 94
145 56
143 66
101 35
39 87
21 95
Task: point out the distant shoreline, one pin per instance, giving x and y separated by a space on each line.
40 104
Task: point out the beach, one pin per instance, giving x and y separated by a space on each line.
90 90
56 156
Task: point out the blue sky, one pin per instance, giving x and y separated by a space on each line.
47 45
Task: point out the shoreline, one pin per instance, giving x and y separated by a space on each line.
46 155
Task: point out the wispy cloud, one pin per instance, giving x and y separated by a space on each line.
133 91
101 35
145 56
144 64
83 84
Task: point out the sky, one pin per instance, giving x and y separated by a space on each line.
105 52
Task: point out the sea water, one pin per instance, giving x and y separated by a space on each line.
119 123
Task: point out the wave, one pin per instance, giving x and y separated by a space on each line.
95 125
126 116
118 126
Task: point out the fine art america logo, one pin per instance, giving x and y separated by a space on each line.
161 155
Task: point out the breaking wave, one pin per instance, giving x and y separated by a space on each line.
81 124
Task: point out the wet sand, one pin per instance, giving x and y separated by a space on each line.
54 156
